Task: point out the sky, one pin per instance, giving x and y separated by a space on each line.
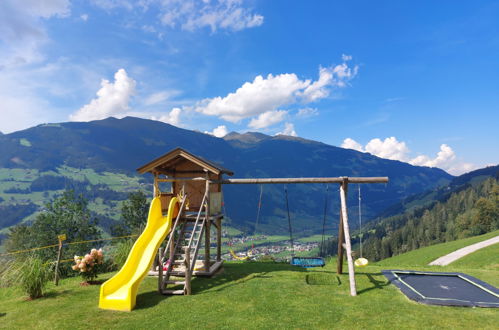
415 81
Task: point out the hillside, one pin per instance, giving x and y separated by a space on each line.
106 153
470 209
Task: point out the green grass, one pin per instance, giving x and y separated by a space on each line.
253 295
427 254
486 258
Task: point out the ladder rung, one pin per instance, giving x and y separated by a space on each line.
175 282
173 291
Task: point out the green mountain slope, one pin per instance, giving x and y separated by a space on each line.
113 147
471 209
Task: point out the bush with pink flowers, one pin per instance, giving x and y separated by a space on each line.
89 265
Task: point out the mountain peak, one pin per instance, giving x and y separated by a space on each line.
246 138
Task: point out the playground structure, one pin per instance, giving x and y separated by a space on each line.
196 185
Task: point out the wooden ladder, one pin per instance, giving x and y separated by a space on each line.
183 254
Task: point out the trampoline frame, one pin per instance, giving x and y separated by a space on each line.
417 296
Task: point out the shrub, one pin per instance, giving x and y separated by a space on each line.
90 265
121 251
33 276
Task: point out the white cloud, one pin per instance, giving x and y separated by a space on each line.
112 99
172 118
160 97
307 112
346 58
84 17
289 129
349 143
267 119
388 148
269 93
391 148
219 131
192 15
21 29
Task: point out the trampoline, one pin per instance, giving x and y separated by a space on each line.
448 289
308 262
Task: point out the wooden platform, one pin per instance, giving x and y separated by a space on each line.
215 266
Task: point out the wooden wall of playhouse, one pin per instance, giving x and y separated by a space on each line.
194 189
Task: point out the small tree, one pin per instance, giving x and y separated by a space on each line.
67 214
134 213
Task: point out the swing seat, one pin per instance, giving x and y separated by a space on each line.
361 262
308 262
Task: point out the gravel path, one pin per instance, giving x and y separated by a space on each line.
451 257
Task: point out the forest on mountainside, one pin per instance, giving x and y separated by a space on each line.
467 212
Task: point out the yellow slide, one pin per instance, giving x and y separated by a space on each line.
120 292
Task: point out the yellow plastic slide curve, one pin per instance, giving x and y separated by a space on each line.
120 292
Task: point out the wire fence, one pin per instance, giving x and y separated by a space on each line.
66 243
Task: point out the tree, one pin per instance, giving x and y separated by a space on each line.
67 214
134 213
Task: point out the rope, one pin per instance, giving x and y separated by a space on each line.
360 221
72 243
258 210
323 239
289 223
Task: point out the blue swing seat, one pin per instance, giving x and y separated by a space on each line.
308 262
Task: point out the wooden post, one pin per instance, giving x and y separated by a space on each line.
219 239
341 240
188 272
59 254
160 270
155 190
207 226
346 232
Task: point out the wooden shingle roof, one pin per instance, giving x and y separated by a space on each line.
167 163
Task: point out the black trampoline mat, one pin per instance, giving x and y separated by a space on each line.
444 288
447 287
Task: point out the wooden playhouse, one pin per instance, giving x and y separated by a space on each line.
197 182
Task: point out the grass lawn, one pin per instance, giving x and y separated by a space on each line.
427 254
252 295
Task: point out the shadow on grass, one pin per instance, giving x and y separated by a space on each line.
377 284
55 294
233 274
240 273
3 314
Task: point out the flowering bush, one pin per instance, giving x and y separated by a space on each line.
90 265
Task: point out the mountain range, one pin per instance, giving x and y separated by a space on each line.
122 145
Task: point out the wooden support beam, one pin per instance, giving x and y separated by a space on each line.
305 180
160 270
207 229
346 231
341 239
219 238
188 272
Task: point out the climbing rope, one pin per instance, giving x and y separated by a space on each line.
258 209
289 223
323 239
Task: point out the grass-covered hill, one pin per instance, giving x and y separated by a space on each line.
264 295
107 152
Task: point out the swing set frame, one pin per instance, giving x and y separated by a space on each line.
344 242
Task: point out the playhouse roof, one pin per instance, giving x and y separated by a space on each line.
167 163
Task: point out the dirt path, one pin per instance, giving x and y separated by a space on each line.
451 257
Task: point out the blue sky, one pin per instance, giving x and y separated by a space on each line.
406 80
